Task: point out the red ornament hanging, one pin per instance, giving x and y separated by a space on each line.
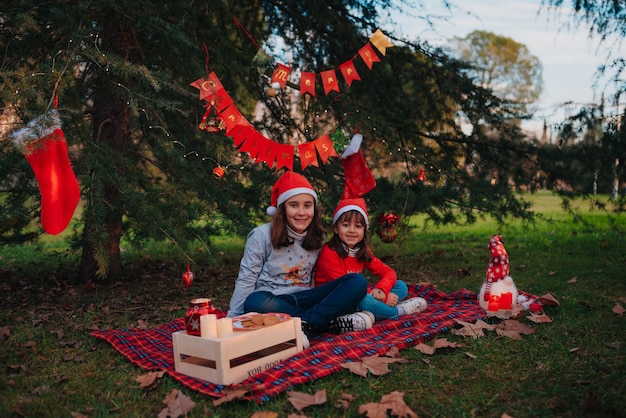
218 172
188 277
421 175
388 227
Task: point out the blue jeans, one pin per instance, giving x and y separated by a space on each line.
316 306
379 308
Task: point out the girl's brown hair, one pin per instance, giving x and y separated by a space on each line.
364 254
315 234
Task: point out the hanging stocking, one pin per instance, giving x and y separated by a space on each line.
358 177
43 144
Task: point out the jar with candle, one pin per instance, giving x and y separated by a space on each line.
197 308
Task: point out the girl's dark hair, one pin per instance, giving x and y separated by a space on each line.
315 234
364 254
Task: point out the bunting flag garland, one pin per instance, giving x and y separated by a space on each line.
223 115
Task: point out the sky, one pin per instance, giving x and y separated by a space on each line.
569 58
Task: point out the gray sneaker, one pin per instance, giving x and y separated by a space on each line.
357 321
410 306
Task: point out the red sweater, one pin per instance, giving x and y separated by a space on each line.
330 267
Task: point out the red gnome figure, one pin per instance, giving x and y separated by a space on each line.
498 290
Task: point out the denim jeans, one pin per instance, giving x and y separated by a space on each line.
316 306
379 308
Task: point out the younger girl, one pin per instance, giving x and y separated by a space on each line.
349 252
275 273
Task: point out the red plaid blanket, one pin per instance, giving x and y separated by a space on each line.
152 349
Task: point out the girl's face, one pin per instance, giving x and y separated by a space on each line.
350 231
299 211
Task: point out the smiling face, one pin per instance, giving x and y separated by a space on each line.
350 229
299 211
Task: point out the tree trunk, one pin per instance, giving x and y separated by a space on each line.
111 135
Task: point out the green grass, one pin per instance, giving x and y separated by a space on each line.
567 368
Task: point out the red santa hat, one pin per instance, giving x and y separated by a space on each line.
498 267
286 187
346 205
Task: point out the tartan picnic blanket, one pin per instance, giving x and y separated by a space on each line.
151 349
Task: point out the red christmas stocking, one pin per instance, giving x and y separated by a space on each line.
50 162
358 177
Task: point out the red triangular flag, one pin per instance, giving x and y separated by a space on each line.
325 148
284 156
329 81
208 85
232 117
281 75
240 133
368 55
267 152
349 72
307 154
307 83
251 144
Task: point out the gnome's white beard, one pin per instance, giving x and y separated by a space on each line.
504 285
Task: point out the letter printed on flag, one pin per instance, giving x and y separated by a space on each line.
281 75
308 155
307 83
349 72
329 81
368 55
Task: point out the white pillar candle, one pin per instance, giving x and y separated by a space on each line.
208 326
224 327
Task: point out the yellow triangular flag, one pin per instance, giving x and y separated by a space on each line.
380 41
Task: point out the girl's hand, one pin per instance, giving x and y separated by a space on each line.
378 294
392 299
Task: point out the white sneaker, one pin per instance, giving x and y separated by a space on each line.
357 321
410 306
305 338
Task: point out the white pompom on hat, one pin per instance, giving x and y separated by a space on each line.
346 205
287 186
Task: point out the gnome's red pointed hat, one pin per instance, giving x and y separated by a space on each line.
498 267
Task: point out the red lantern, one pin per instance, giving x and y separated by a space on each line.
422 175
218 172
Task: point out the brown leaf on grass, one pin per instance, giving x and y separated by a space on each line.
356 367
231 395
77 415
539 319
615 344
345 401
548 300
551 273
5 331
59 332
264 414
618 309
393 352
393 401
573 280
149 380
375 365
438 343
178 404
472 330
470 355
296 416
300 400
513 329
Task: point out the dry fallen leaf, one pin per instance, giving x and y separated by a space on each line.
375 365
5 331
264 414
393 401
300 400
539 319
615 344
356 367
548 300
178 404
573 279
438 343
231 394
150 380
618 309
513 329
470 355
472 330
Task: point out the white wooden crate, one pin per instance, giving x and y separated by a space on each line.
234 358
